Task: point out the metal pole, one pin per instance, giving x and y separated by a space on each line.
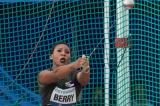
106 50
123 72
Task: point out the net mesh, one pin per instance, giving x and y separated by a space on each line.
132 75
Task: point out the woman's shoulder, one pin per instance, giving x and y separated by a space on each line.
44 71
41 73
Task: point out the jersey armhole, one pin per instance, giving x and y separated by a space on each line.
74 76
41 85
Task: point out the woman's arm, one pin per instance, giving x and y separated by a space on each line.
47 77
84 76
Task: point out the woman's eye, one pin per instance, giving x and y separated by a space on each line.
59 50
67 52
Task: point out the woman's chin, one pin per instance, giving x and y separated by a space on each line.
62 64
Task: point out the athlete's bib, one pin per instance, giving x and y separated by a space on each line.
63 96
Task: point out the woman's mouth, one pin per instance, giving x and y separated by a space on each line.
62 60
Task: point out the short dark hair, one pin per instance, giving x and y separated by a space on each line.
56 45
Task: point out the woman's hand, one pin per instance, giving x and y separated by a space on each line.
80 62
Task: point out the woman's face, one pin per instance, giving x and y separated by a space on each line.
61 55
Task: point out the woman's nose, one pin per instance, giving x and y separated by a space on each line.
63 53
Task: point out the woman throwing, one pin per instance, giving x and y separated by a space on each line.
61 84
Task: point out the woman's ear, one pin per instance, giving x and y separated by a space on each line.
50 57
